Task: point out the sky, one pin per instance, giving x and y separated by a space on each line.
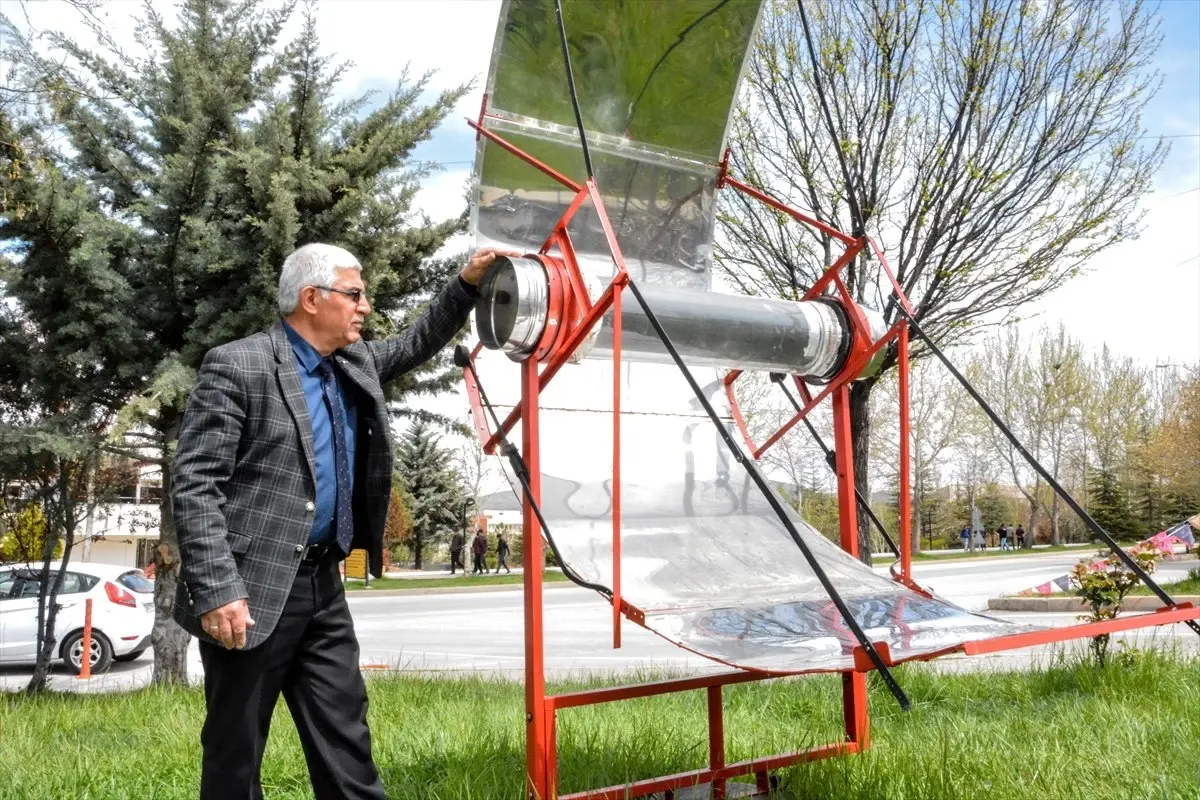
1141 298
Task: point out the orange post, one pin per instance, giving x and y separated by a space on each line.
616 481
905 462
86 659
854 684
537 785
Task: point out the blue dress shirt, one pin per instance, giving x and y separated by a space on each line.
307 360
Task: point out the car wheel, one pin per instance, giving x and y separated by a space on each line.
101 654
129 656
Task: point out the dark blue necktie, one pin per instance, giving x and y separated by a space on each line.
344 517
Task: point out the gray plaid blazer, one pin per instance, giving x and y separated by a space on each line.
243 489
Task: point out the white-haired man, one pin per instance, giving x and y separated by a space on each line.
284 465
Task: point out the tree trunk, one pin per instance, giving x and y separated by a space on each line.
860 432
60 518
1034 505
418 545
917 488
47 617
170 640
1055 531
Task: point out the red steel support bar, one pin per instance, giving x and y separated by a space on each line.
851 370
900 295
551 753
612 694
537 753
818 288
786 209
561 356
616 479
697 777
716 740
905 477
854 684
521 154
1164 616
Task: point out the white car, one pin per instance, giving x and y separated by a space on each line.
122 613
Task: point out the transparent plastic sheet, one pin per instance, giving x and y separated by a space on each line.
702 553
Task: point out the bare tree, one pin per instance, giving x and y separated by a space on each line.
937 408
993 147
477 471
1061 383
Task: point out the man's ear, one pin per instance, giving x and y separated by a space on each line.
308 299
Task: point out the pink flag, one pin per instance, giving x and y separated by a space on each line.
1044 588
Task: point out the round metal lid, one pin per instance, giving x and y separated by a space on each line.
511 311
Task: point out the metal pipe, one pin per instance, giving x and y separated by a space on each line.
810 338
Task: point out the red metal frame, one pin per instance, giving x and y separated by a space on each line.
575 314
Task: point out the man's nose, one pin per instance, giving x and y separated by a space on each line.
364 305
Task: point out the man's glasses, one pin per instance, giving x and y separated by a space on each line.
354 294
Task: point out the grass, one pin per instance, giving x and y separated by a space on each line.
491 579
1065 732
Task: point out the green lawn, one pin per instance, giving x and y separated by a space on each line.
1066 732
491 579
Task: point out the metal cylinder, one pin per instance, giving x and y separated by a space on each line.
810 339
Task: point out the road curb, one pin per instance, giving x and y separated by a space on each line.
1059 604
509 587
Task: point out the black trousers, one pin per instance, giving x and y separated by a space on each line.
456 561
312 659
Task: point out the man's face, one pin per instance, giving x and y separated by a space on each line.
339 317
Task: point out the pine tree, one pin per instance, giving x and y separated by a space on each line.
152 200
435 495
1110 505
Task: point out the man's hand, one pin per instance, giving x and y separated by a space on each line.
228 623
481 261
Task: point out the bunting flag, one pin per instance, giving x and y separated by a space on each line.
1183 531
1163 541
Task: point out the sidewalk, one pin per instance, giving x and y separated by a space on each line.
443 572
990 551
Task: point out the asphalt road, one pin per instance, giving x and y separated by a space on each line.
482 632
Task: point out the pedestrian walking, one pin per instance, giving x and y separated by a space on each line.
501 553
456 551
1002 531
479 552
1020 537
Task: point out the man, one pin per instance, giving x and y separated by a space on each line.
1002 531
1020 537
501 553
479 551
284 465
456 549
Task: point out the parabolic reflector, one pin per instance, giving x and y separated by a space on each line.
704 558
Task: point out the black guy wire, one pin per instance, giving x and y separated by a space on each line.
562 31
462 358
1129 561
774 502
778 377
